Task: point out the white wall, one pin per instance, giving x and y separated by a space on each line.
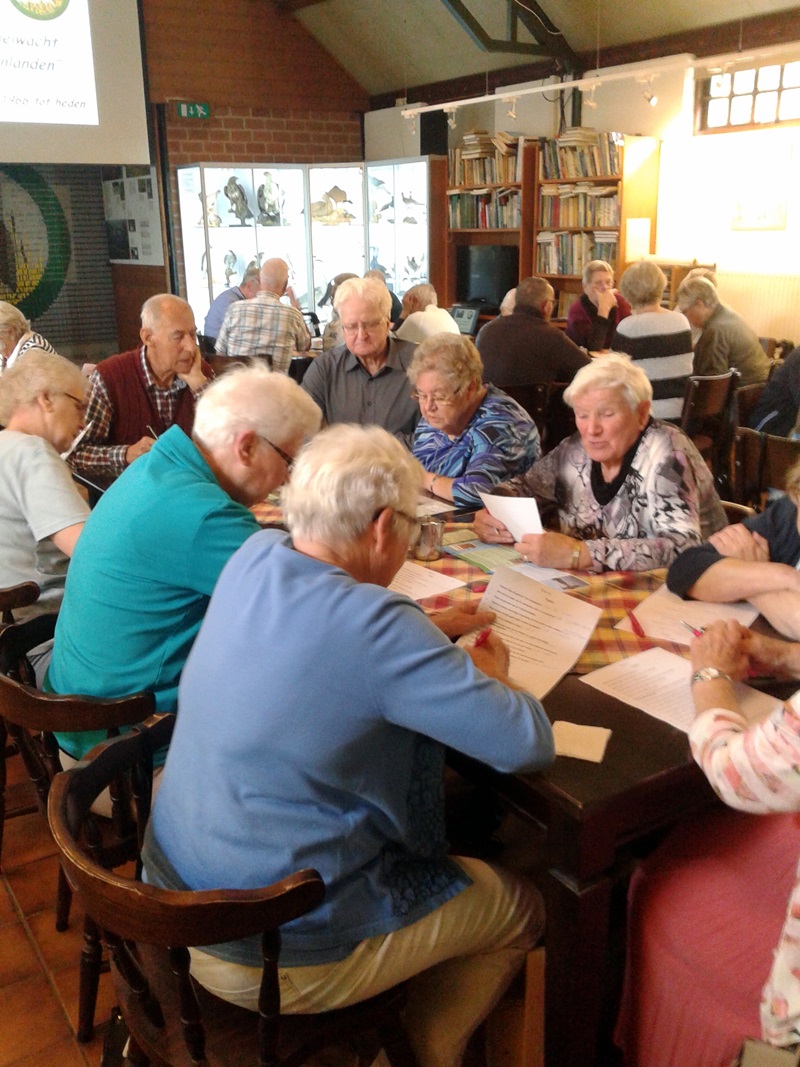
387 135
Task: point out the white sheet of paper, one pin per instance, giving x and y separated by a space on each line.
519 513
426 505
418 582
545 630
580 742
661 613
657 681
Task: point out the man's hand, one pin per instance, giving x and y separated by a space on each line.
461 619
194 378
605 302
492 657
491 530
738 542
133 452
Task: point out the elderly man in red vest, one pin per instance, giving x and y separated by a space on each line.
137 395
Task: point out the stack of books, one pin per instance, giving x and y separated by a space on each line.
580 153
483 159
484 209
579 205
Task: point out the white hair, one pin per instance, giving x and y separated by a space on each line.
35 373
251 397
613 370
343 477
156 307
370 290
10 315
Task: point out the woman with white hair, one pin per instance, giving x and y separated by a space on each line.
332 756
471 435
42 407
631 492
16 336
658 339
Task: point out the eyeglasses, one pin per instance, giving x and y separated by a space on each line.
79 402
365 327
412 520
439 401
287 459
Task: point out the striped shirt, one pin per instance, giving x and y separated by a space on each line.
263 326
660 342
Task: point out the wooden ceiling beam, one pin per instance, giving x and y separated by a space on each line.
757 32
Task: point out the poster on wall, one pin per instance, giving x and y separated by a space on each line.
133 219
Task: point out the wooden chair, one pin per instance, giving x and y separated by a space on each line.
761 461
708 414
747 398
12 598
148 931
533 398
736 512
31 718
298 365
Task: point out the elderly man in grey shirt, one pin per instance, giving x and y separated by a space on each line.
364 380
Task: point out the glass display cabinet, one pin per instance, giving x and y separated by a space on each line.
322 219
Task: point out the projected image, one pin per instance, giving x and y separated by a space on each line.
46 63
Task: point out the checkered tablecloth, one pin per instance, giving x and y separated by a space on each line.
615 592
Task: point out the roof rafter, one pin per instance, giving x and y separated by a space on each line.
550 40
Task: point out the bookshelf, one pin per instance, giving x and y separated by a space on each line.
490 200
596 197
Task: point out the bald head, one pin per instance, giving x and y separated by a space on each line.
163 305
275 276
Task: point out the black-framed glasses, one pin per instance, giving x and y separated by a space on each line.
287 459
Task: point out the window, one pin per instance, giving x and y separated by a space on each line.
757 96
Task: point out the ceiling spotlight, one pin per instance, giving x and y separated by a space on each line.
451 117
588 98
512 110
649 95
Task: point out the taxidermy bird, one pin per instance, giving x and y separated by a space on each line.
338 196
234 190
269 202
212 218
410 199
374 264
229 260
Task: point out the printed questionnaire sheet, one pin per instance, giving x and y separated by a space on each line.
657 681
662 614
520 514
545 630
418 582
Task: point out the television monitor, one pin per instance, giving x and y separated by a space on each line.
485 273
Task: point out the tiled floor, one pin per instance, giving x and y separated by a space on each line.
38 966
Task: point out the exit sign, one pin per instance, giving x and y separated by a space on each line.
193 111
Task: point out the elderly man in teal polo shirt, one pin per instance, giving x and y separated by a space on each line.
154 546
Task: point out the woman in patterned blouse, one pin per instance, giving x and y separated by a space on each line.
471 435
631 492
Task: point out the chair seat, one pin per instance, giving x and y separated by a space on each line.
231 1036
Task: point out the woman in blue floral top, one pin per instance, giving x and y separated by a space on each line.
471 436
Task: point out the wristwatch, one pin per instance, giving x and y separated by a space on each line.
575 558
708 674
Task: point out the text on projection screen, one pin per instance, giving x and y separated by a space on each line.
46 62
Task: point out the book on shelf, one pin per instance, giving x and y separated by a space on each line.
579 156
565 302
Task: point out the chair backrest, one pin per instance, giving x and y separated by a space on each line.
14 597
747 398
708 419
533 398
736 512
761 462
32 717
559 421
298 365
775 365
153 977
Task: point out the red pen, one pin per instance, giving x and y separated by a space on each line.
482 637
637 626
697 631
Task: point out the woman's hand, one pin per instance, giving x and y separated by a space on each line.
553 550
724 645
462 618
491 530
738 542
